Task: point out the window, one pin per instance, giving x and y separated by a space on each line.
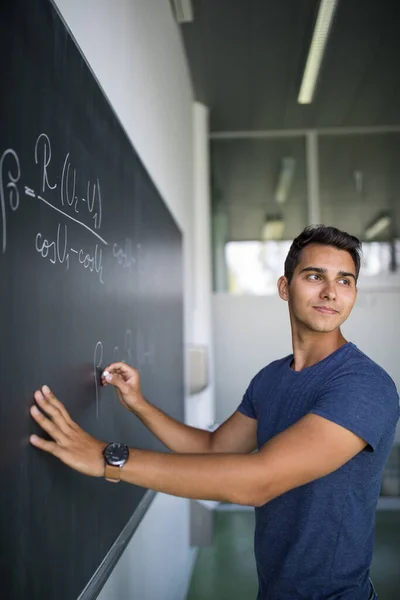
255 267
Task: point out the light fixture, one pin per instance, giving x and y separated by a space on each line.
183 10
284 184
272 228
377 226
320 37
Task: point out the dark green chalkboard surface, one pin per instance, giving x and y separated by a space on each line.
91 272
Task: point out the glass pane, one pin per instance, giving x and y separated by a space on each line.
254 267
258 193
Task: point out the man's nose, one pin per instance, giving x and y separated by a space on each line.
329 290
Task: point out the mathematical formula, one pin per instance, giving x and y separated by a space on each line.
58 190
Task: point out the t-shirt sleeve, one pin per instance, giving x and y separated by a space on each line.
247 407
363 400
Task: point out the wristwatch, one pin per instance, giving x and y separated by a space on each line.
115 456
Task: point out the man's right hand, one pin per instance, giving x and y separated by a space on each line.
126 381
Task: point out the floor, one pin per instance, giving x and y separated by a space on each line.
226 570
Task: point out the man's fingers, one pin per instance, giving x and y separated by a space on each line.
52 410
45 445
120 368
51 428
116 378
117 381
71 444
51 398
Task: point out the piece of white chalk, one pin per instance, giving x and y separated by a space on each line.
105 373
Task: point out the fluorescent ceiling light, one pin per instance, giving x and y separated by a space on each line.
284 184
320 37
183 10
377 226
272 229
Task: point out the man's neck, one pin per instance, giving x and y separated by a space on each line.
311 347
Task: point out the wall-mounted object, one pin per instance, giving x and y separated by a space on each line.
198 372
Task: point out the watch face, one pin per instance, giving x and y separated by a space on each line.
116 454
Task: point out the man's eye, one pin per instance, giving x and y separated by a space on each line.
313 277
345 281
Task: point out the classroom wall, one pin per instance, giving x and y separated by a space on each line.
134 47
252 331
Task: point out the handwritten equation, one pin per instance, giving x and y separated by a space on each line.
58 190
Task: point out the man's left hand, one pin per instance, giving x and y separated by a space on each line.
71 444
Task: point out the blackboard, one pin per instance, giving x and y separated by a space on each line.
91 271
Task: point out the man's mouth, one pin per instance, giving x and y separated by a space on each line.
326 310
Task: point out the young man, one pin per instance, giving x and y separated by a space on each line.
322 419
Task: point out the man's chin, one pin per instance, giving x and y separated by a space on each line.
326 327
321 327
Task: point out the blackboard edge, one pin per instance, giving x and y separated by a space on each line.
103 572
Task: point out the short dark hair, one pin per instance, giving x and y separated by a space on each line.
327 236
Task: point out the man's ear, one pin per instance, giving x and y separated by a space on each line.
283 288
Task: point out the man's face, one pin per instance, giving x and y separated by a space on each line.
323 289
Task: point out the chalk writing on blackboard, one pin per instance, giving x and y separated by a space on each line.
63 197
56 250
124 254
11 187
100 357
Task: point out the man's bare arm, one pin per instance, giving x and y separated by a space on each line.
308 450
237 434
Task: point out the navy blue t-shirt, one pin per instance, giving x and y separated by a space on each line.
315 542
